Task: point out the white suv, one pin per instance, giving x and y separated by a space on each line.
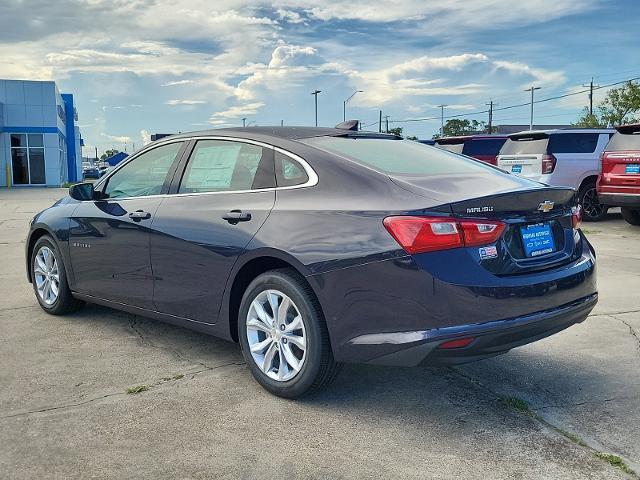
563 158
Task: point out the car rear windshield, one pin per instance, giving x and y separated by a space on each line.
401 157
621 141
551 143
451 147
483 146
530 144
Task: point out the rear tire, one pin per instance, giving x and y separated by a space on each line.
49 279
592 209
283 335
631 215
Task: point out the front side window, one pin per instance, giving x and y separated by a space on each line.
144 175
222 165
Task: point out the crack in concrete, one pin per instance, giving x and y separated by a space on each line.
605 314
632 331
58 407
532 413
579 404
134 324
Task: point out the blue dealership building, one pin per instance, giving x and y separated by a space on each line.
40 142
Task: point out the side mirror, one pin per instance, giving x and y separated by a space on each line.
82 191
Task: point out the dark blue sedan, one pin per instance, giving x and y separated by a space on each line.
312 247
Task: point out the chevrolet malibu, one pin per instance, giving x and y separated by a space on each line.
312 247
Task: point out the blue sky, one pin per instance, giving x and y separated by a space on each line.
143 66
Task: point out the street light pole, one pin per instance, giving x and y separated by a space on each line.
244 122
315 94
531 89
344 105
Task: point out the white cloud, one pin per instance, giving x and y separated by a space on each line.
146 137
176 82
117 138
237 111
185 102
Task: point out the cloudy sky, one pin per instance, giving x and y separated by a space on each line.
144 66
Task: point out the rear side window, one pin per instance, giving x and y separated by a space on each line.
621 141
531 144
483 146
220 165
398 156
573 142
289 172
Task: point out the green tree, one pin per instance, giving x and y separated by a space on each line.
108 153
588 120
456 126
396 131
620 106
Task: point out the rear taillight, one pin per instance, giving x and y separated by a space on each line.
428 234
548 163
576 216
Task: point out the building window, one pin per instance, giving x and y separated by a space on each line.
27 159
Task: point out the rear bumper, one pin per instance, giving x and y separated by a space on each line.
490 339
620 199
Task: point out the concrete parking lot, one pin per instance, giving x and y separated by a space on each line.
553 409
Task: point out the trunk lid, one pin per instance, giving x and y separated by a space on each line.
522 154
621 159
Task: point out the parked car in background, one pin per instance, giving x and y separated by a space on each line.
482 147
90 171
316 246
619 182
563 158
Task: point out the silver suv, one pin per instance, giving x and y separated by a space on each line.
563 158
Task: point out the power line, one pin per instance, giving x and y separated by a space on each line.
509 107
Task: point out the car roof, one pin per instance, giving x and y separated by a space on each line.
463 138
561 131
288 133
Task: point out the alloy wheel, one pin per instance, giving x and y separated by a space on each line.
590 203
47 275
276 335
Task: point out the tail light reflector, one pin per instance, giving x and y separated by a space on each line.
576 216
428 234
457 343
548 163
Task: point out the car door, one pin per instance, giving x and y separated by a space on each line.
109 237
220 198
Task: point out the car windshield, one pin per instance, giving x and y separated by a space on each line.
403 157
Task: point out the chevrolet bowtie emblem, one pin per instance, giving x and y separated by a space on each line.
546 206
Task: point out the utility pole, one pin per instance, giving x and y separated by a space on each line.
344 105
315 94
281 123
380 123
442 119
244 122
591 87
490 125
386 119
531 89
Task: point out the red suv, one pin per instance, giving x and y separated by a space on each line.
619 182
482 147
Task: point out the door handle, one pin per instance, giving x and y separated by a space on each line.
235 216
139 215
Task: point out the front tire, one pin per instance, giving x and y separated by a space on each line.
49 279
592 209
283 335
631 215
